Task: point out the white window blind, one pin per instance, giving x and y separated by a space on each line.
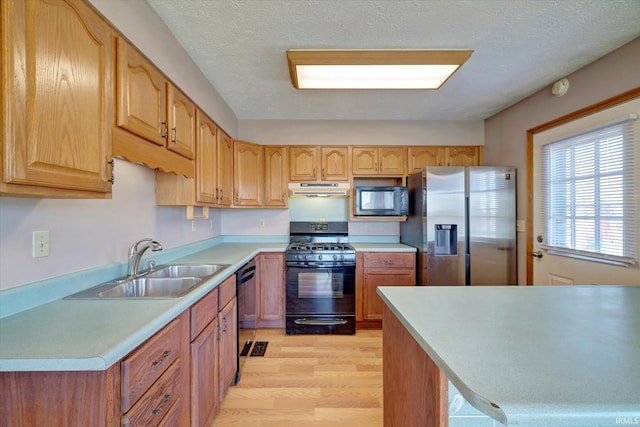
590 194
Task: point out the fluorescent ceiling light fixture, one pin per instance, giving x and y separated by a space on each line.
373 69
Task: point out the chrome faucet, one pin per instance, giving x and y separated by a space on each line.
135 253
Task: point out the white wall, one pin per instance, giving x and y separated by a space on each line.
505 132
360 132
140 24
89 233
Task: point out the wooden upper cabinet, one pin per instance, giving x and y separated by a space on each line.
155 122
378 160
392 160
142 94
303 163
206 157
248 173
276 176
335 163
57 89
463 156
181 123
421 156
225 167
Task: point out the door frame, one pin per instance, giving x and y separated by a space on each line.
593 108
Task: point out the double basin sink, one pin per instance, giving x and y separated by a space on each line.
170 281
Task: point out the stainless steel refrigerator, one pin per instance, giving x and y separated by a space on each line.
462 220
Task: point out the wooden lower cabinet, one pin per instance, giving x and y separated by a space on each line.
415 389
271 299
155 377
175 378
204 375
204 359
228 335
375 269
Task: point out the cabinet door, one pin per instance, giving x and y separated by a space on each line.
420 157
206 139
57 84
392 160
364 161
225 169
272 300
303 163
463 156
275 176
372 304
248 174
335 163
228 352
142 94
182 123
204 375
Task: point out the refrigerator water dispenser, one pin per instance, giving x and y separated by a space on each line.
446 239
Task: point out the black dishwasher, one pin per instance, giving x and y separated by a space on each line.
246 291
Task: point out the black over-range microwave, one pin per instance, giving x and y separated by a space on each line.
381 201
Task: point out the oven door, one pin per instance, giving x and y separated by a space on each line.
322 291
320 300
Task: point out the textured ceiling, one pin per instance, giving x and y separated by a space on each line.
520 46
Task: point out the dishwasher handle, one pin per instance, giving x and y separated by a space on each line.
246 272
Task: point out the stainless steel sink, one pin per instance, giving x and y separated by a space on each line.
171 281
151 288
188 270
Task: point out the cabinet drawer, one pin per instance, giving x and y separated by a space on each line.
227 291
145 365
389 260
158 401
203 312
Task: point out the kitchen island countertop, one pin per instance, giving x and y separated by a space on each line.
532 356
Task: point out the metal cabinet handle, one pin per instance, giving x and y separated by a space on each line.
163 130
158 362
224 329
113 176
159 409
173 139
536 254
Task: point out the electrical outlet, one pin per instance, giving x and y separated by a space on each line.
261 222
40 244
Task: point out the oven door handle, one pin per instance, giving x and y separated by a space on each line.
320 322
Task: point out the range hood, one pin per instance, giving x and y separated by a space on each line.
319 189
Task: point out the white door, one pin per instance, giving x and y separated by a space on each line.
551 268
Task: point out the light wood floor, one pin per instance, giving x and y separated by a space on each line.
309 381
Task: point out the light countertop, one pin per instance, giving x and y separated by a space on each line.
69 335
382 247
532 356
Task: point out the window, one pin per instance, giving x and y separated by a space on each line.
590 194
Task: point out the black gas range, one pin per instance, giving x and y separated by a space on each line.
320 279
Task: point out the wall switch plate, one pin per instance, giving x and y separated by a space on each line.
40 244
520 226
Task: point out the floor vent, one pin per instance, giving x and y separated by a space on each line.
259 348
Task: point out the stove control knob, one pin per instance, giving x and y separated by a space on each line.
319 257
335 257
341 257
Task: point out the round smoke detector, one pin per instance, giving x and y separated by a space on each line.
560 87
